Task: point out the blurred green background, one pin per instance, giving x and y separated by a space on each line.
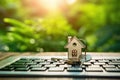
43 25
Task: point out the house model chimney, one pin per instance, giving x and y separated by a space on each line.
69 39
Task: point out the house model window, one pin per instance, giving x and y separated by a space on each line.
74 44
74 48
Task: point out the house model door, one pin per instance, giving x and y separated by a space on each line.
74 53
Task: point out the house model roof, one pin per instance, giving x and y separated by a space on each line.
75 40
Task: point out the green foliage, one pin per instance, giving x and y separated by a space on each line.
96 21
38 37
108 39
99 24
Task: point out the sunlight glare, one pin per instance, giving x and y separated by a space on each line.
71 1
50 5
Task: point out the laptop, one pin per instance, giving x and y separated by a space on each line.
57 66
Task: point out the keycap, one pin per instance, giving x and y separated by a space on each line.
94 69
51 65
58 63
116 61
112 69
21 69
118 66
56 69
87 63
103 60
39 60
94 66
73 69
35 66
113 63
44 63
109 66
34 58
65 66
18 63
83 66
93 60
101 63
9 66
23 61
38 69
56 59
20 66
31 63
6 69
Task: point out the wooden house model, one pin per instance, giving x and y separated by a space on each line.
74 48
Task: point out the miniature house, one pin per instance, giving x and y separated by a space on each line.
74 48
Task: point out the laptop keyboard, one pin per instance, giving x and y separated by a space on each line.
48 65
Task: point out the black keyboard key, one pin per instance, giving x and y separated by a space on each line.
18 63
20 66
21 69
23 61
56 69
112 70
36 58
31 63
74 69
9 66
38 69
94 69
6 69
